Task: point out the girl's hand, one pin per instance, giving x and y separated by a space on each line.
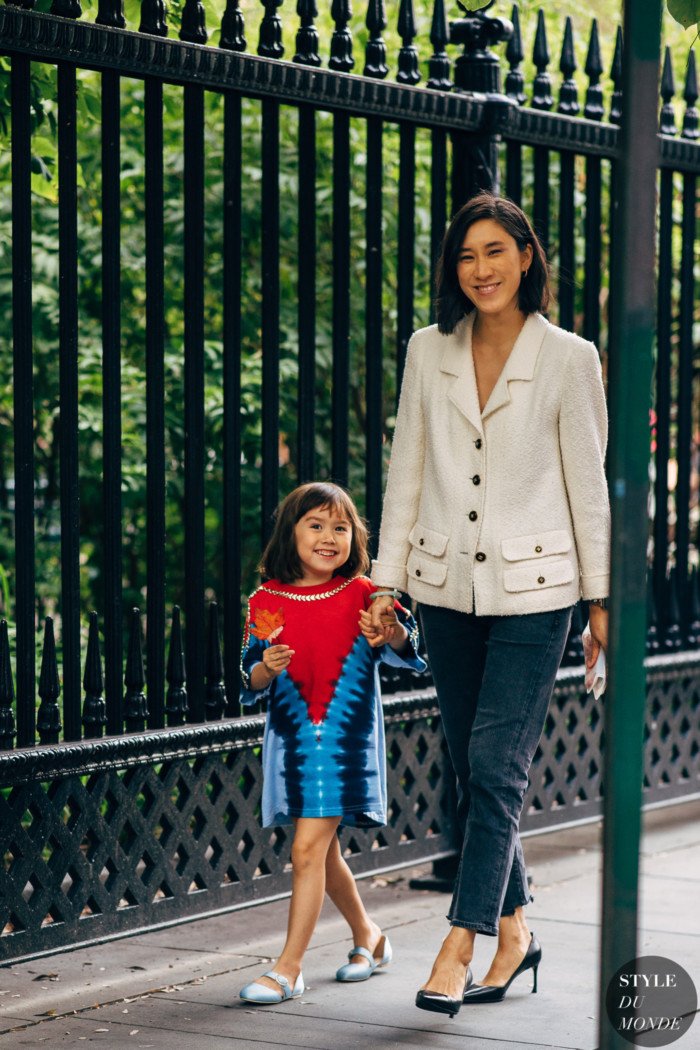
598 623
387 630
378 609
276 658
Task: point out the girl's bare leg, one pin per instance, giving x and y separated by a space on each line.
312 837
342 890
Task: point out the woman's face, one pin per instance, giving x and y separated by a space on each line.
490 266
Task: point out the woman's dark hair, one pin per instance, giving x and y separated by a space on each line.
451 304
280 560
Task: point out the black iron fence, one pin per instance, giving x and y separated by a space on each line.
239 248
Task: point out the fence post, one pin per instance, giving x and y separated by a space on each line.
475 156
631 339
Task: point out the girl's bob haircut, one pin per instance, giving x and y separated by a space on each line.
451 304
280 560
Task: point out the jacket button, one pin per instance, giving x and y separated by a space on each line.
538 549
421 541
540 579
473 515
480 556
478 442
417 572
476 479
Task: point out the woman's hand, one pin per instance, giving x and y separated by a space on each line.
598 623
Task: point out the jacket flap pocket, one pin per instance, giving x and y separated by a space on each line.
426 571
538 577
536 545
427 540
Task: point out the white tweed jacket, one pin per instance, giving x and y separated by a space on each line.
504 511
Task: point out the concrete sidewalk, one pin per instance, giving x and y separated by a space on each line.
179 988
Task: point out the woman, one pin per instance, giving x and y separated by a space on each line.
496 522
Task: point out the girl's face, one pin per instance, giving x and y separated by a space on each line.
490 266
323 540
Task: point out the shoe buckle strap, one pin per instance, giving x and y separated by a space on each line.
364 953
281 981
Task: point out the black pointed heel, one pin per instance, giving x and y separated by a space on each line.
438 1003
489 993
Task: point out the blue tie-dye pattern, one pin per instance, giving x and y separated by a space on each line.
336 767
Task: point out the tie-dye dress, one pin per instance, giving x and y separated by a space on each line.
323 751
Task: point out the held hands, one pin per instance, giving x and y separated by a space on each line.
380 624
598 624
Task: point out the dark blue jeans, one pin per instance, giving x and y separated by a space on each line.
494 677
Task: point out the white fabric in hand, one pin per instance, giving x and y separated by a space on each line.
597 675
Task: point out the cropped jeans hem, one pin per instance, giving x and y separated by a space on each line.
507 912
477 927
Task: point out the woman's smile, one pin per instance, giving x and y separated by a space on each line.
486 289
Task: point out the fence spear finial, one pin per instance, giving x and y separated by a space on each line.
667 119
215 698
616 77
375 50
135 705
48 720
690 95
341 42
542 87
176 706
94 710
568 94
193 27
439 63
270 40
593 109
409 72
232 36
515 81
307 35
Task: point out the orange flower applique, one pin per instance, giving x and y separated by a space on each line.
267 623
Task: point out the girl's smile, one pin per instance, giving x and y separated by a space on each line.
323 540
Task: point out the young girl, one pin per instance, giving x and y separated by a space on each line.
310 649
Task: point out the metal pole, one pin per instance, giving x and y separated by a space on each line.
631 339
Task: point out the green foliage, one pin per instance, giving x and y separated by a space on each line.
686 12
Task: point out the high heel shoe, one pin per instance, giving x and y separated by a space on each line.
443 1004
492 993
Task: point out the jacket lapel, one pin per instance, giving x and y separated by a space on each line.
457 361
520 364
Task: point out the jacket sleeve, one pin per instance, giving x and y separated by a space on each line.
404 481
583 435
